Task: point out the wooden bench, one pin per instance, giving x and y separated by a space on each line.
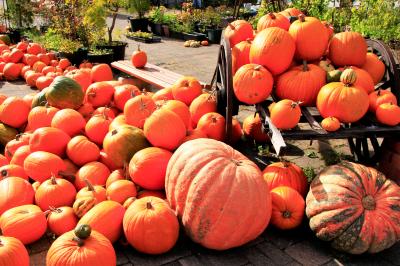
152 74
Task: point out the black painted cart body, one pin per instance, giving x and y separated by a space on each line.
360 135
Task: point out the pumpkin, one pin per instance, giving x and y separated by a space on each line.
150 225
61 220
379 97
237 31
55 192
388 114
301 83
237 185
13 170
13 252
39 99
97 192
34 48
106 218
86 110
13 145
139 58
179 108
285 174
122 143
118 174
363 80
154 193
38 66
41 165
32 78
46 70
43 82
163 94
375 67
41 116
95 172
3 160
236 131
273 20
285 114
123 93
201 105
252 128
120 190
11 71
291 12
240 55
83 204
44 58
14 112
147 168
16 55
330 124
355 208
65 92
81 247
194 134
81 151
138 109
49 139
213 124
64 63
97 127
69 121
7 134
344 101
348 49
100 94
23 45
20 155
287 208
15 191
101 72
186 89
85 64
19 221
82 77
164 129
252 83
273 48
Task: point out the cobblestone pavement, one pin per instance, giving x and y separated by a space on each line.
273 247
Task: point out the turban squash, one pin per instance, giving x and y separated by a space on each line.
355 208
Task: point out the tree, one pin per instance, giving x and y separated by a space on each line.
20 12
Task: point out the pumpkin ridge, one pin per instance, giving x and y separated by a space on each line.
346 240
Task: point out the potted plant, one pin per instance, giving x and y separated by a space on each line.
212 21
20 16
96 55
156 17
140 7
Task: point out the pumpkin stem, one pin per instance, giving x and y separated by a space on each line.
286 214
1 243
214 119
4 173
272 15
138 48
305 66
53 209
231 26
257 67
302 18
114 132
149 205
294 104
89 185
368 202
379 92
53 179
18 136
238 163
78 240
249 40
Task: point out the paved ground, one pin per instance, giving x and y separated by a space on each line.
273 247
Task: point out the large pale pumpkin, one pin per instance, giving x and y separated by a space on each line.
301 84
273 48
355 208
217 193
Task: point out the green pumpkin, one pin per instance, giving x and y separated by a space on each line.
64 93
5 38
333 76
39 99
7 133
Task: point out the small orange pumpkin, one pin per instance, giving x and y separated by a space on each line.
55 192
120 190
41 165
100 94
69 120
95 172
252 128
139 58
330 124
61 220
186 89
379 97
14 112
201 105
213 124
285 114
81 151
97 128
97 192
13 252
138 109
388 114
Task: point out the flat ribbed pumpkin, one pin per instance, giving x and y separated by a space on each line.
106 218
65 93
15 191
13 252
355 208
301 84
217 193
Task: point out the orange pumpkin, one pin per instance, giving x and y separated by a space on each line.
273 20
97 127
156 222
41 116
273 48
388 114
123 93
49 139
16 55
252 128
330 124
363 80
81 247
97 192
194 134
101 72
120 190
64 63
163 95
55 192
106 218
34 48
139 58
159 123
38 66
287 208
13 252
83 204
213 124
186 89
86 110
81 151
375 67
200 164
41 165
13 145
31 78
237 31
20 154
236 131
147 168
13 170
43 82
61 220
99 94
252 83
179 108
19 221
95 172
82 77
348 49
138 109
15 191
118 174
11 71
285 114
201 105
69 120
291 12
379 97
44 58
240 55
301 84
3 160
285 174
14 112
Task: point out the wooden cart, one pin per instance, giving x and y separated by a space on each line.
360 135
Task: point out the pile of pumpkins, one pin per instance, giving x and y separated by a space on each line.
305 63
